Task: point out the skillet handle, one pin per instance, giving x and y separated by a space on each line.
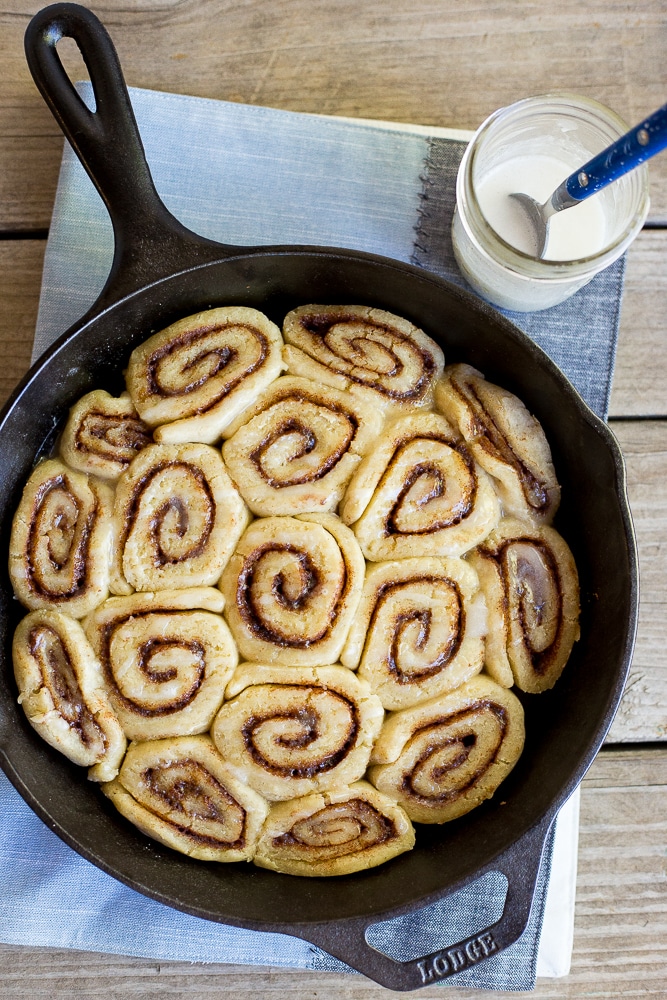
150 242
347 940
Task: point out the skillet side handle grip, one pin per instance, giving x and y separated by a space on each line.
149 241
520 864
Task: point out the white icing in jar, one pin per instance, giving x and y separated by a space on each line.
531 147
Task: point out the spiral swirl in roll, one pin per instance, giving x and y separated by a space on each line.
441 759
419 629
60 546
295 450
292 588
290 731
419 493
193 378
103 434
505 439
530 581
181 793
166 658
177 518
335 833
62 693
371 353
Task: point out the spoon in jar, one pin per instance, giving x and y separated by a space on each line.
639 144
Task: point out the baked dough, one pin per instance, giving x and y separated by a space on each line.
181 793
338 832
506 440
292 588
177 518
441 759
289 731
103 434
530 581
60 546
166 658
419 493
419 629
369 353
193 378
295 449
62 692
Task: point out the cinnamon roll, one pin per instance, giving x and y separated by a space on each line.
419 629
441 759
62 693
181 793
191 379
292 588
60 546
290 731
530 580
419 493
334 833
295 449
166 658
103 434
371 353
177 518
505 439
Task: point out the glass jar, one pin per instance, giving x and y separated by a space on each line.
562 128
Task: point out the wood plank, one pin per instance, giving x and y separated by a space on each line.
619 944
428 62
642 714
640 379
21 270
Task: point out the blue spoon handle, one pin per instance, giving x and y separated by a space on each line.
639 144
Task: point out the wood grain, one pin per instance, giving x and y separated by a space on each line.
642 714
21 271
619 948
640 380
428 62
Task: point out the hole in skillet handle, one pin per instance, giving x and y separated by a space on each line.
347 940
149 242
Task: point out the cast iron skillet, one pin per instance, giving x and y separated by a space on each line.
160 272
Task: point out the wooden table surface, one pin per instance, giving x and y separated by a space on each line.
434 62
